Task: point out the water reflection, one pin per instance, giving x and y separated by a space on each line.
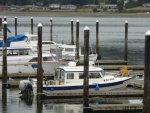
27 99
39 106
11 102
4 100
63 108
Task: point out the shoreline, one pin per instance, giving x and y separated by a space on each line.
74 14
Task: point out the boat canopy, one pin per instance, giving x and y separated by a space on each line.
10 39
79 68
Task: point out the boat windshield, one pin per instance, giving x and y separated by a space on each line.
35 59
69 49
60 75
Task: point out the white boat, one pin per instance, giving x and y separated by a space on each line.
63 51
71 78
28 63
69 52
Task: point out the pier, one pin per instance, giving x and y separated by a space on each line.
77 94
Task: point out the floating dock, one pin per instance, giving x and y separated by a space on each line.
93 93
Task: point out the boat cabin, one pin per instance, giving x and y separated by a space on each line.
69 49
75 74
45 57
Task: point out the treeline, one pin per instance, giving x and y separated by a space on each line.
131 3
47 2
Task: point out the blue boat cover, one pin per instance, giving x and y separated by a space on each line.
10 39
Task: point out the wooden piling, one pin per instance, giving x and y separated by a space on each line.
0 23
4 100
72 37
97 39
146 97
126 42
5 18
4 70
39 70
86 68
31 25
15 25
39 106
77 40
51 29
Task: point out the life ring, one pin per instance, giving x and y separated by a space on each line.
51 50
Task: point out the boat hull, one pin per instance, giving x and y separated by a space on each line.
102 86
48 67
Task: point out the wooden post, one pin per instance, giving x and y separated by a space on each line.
39 106
126 42
15 25
5 18
77 40
39 70
86 108
86 68
72 37
4 100
51 29
97 40
0 23
4 70
31 25
146 99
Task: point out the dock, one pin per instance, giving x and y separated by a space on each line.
93 93
118 108
118 100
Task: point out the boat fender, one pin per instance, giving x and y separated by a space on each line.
97 88
51 51
51 89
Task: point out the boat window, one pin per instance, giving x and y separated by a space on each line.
33 38
91 75
80 75
22 52
69 49
47 58
94 75
47 42
34 59
70 76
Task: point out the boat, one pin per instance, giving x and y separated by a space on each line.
71 78
63 51
28 63
70 51
21 58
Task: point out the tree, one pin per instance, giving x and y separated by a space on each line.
120 5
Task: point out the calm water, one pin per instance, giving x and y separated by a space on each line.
111 37
111 33
10 102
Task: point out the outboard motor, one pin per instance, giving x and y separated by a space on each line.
26 87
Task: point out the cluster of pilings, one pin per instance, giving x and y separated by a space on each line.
77 36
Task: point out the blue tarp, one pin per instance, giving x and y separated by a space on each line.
10 39
36 66
19 37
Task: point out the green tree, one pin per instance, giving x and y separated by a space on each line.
120 5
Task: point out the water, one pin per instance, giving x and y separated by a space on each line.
111 33
111 37
10 102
